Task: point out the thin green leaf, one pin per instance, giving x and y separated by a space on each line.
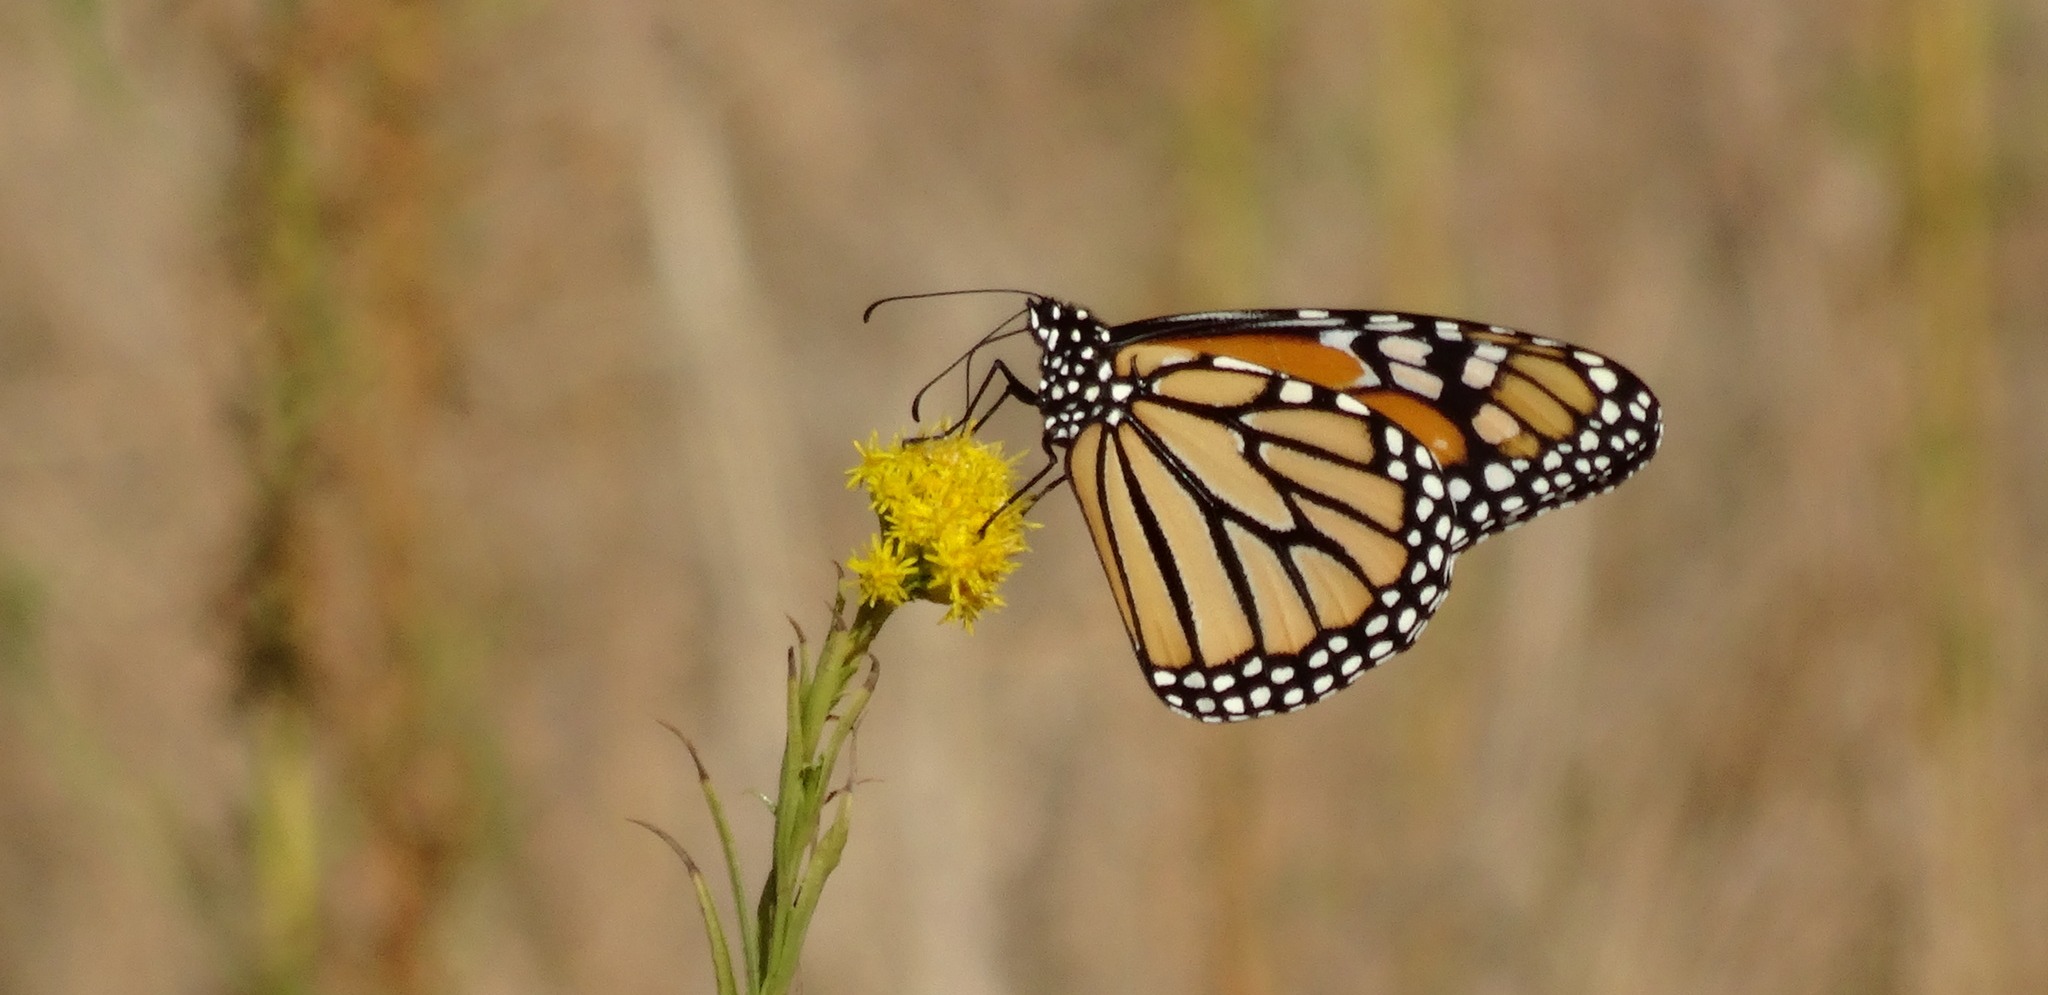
849 718
824 859
749 942
794 757
714 930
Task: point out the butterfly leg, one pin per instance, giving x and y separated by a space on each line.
1023 491
1012 387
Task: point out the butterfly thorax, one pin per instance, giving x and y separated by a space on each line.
1077 381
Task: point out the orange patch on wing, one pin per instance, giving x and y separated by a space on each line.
1444 438
1085 466
1534 406
1302 359
1143 359
1560 380
1523 446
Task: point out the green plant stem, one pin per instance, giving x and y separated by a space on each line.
824 705
818 694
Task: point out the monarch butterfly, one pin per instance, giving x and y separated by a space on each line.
1277 496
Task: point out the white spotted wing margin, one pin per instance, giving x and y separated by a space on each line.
1267 540
1547 424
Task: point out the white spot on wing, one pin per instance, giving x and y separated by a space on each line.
1420 381
1405 349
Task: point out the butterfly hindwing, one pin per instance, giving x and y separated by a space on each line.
1267 540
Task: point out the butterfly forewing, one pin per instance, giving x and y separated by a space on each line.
1521 424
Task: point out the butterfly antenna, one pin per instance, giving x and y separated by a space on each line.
865 315
995 335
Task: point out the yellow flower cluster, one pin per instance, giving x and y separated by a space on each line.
941 538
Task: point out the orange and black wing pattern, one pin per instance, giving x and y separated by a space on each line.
1277 497
1521 424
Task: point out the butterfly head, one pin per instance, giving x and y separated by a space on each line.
1076 375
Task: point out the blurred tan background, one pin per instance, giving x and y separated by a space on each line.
405 405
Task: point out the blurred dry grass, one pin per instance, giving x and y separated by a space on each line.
402 405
